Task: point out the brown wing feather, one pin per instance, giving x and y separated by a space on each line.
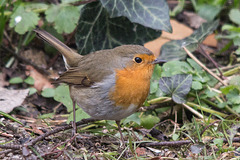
74 77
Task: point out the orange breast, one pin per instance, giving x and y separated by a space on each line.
132 86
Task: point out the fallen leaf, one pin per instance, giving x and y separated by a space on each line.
180 31
193 19
40 81
11 98
2 81
141 151
210 40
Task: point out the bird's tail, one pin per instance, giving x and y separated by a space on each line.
70 57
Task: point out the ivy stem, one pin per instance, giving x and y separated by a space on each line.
206 109
159 100
231 72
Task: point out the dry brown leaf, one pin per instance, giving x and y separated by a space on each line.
9 99
40 81
141 151
193 19
180 31
210 41
2 81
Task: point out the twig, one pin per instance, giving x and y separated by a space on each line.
171 143
175 125
203 66
193 110
6 151
210 59
59 129
39 138
209 126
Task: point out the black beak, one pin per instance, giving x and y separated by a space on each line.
159 61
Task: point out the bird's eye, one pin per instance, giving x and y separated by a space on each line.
138 59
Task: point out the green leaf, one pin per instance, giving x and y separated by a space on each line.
218 142
236 108
234 16
64 17
175 136
48 115
33 6
194 64
29 80
175 67
62 95
156 72
177 86
222 105
149 121
32 91
23 20
227 89
10 117
96 30
236 41
233 97
235 81
150 13
211 93
209 12
133 118
48 92
80 114
173 50
196 85
16 80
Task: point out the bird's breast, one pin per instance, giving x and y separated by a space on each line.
131 86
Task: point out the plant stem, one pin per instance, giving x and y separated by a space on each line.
206 109
193 111
203 66
204 99
231 72
159 100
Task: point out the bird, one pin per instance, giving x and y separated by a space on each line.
109 84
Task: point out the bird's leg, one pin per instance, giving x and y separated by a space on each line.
74 131
120 131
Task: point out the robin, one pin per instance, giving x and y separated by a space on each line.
108 84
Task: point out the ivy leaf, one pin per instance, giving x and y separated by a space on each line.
173 50
149 121
234 15
96 30
62 95
196 85
177 86
48 92
133 118
175 67
65 17
29 80
16 80
80 114
209 12
233 97
23 20
150 13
